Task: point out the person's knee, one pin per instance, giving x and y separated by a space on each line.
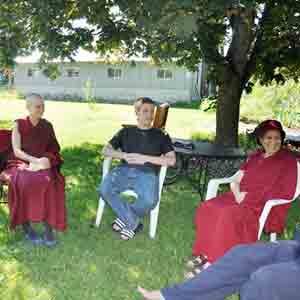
150 201
258 285
239 249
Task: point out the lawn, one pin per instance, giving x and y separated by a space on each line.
92 263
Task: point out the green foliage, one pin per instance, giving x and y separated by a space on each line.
263 39
187 105
13 39
286 104
209 104
51 71
6 124
203 136
89 92
187 30
246 141
279 102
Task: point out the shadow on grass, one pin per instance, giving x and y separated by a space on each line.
91 263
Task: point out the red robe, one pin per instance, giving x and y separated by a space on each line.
36 196
222 223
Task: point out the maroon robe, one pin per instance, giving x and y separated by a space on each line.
36 196
222 223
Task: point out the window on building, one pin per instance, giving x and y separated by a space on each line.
114 73
164 74
73 72
32 72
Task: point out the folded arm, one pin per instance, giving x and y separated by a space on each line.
168 159
235 187
35 162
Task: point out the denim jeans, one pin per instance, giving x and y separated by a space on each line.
144 184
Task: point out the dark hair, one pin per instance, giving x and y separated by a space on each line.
142 100
267 125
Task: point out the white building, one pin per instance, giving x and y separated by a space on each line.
114 82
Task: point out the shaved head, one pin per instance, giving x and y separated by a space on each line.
35 105
32 98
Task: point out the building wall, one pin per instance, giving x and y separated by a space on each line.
136 80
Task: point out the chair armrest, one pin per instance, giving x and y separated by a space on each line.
106 166
213 185
266 210
162 176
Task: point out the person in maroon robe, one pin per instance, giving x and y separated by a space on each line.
35 185
233 217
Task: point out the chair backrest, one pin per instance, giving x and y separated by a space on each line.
5 147
297 192
5 140
161 115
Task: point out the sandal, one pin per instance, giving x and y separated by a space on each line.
196 271
127 234
197 261
117 225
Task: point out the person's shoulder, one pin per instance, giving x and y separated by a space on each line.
21 120
45 123
127 129
22 124
288 154
159 132
254 154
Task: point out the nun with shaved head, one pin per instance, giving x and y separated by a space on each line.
35 185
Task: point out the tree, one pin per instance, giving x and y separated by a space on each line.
262 37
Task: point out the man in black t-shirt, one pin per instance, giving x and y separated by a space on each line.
142 150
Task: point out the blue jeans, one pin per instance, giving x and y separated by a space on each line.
259 271
144 184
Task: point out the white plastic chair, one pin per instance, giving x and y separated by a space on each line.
154 212
212 190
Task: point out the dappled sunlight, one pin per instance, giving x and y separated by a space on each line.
92 263
15 283
134 273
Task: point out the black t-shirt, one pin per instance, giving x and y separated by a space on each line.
150 141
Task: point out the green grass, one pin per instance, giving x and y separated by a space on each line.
76 123
90 263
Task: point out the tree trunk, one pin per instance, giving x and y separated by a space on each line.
228 109
232 79
10 79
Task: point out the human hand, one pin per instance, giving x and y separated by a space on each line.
240 197
44 162
34 167
135 158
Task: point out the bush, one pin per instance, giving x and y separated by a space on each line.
280 102
209 104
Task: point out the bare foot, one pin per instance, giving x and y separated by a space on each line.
151 295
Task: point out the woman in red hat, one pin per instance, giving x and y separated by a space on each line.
232 218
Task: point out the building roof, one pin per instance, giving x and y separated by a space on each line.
81 56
